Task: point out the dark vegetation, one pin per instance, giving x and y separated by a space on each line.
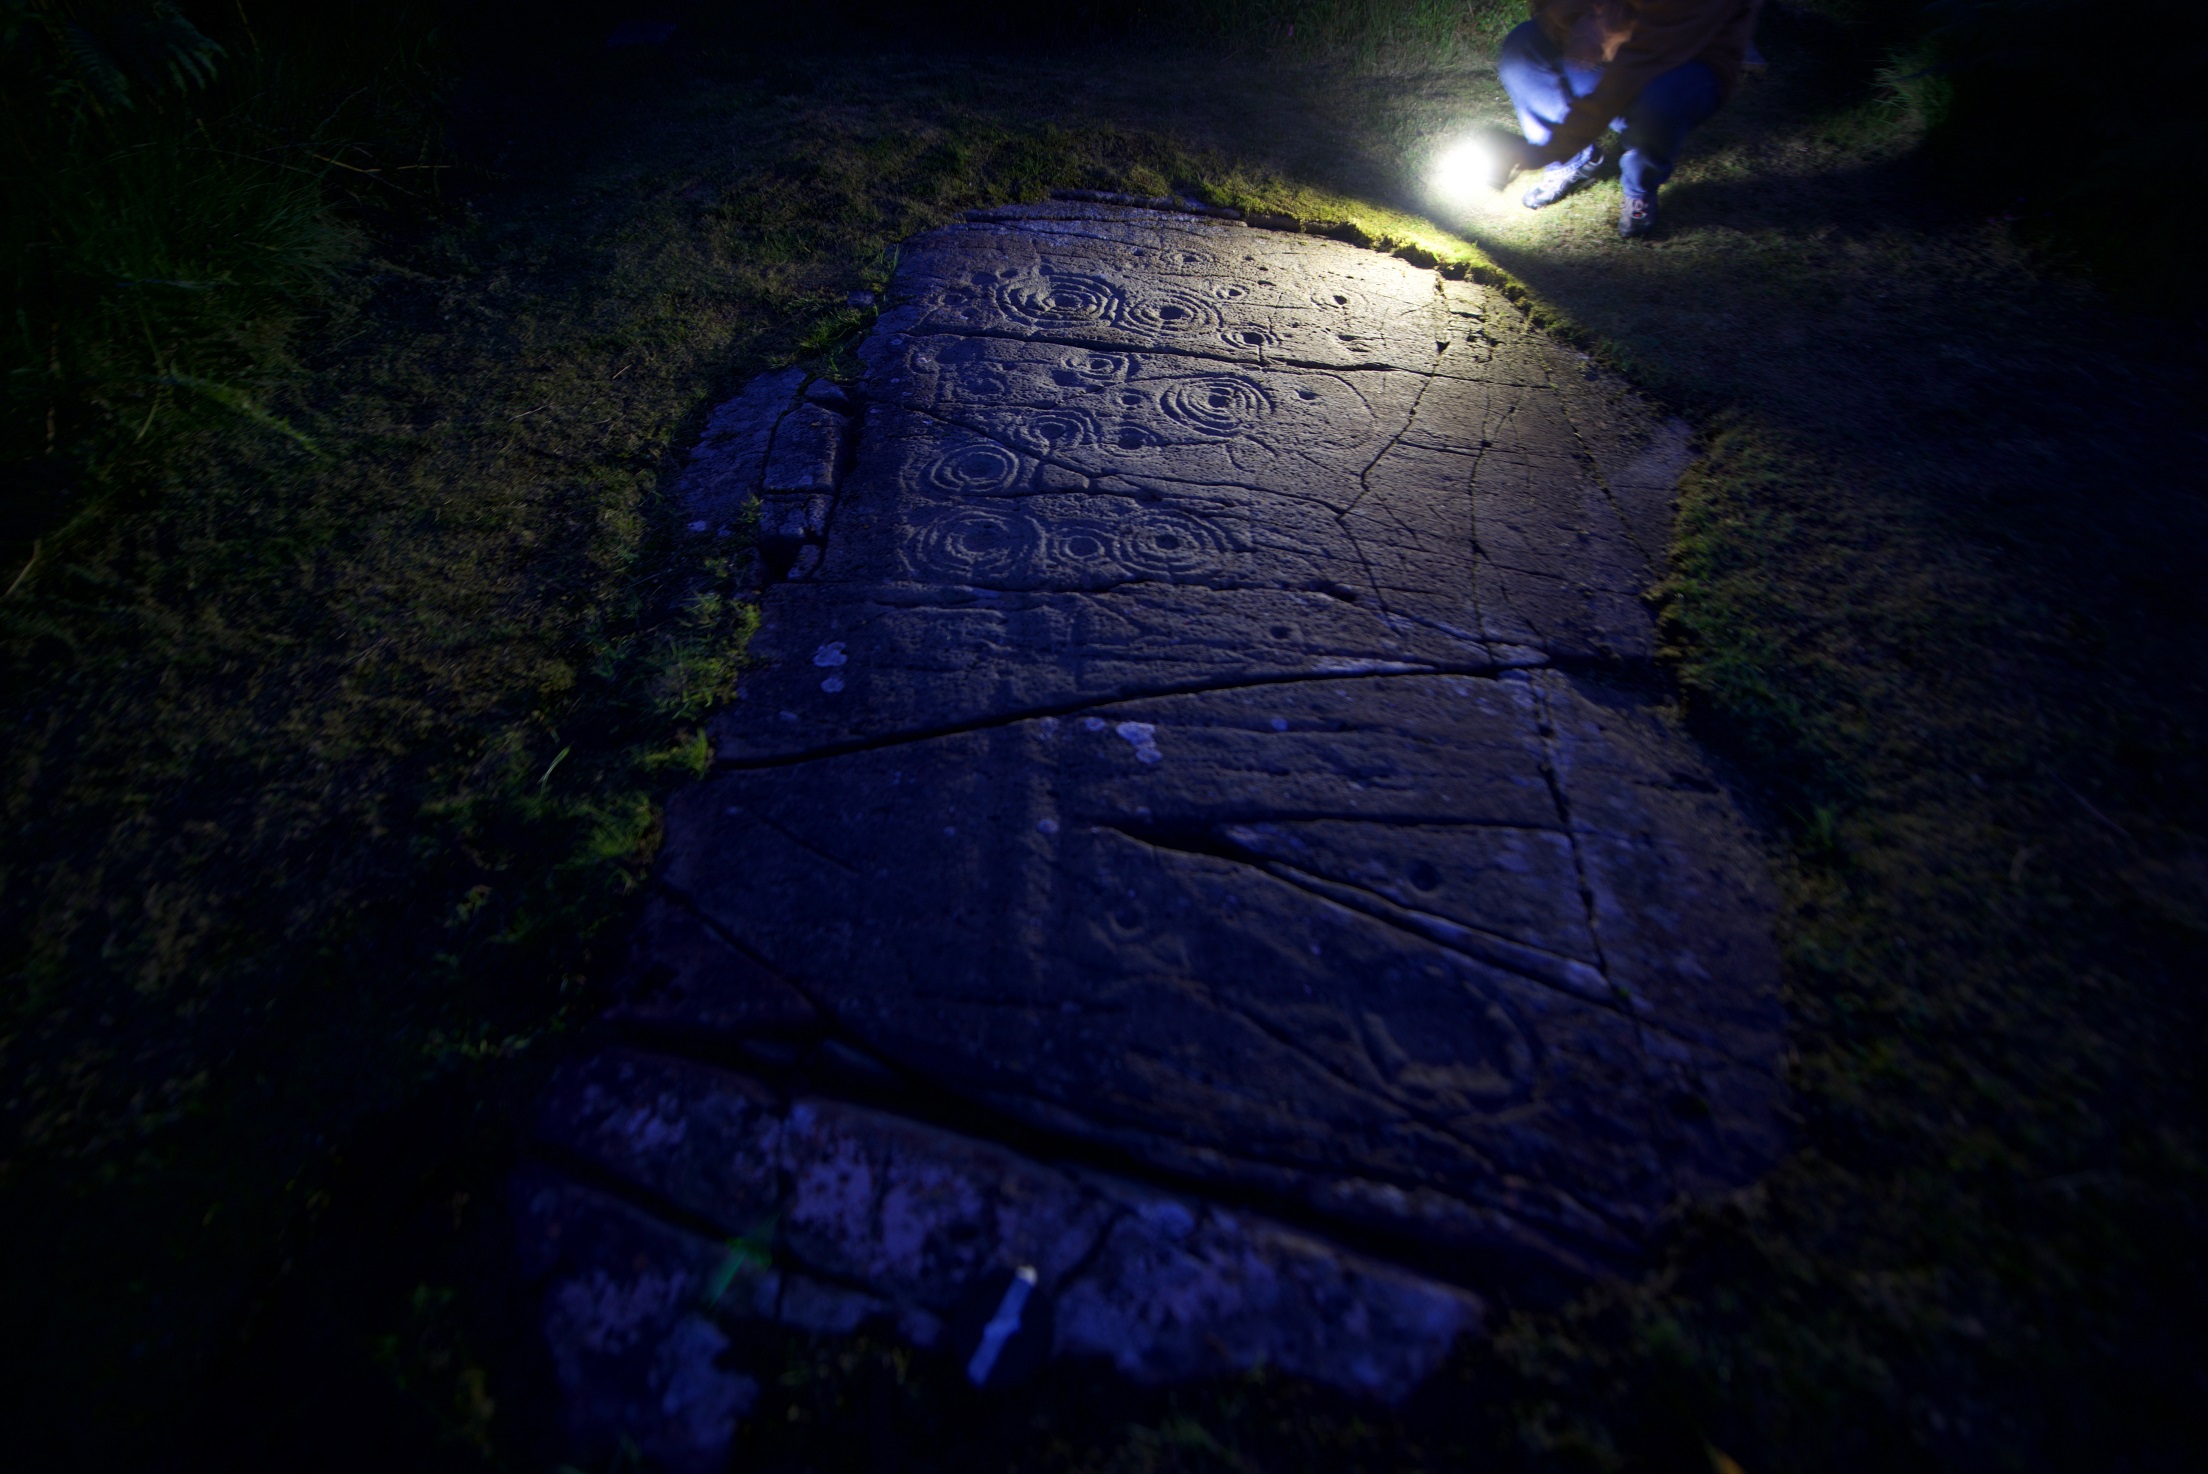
2038 118
348 352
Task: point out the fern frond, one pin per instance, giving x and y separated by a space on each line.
184 51
102 80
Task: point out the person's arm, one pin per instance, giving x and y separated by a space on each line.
1666 34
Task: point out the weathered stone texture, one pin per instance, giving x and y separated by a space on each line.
826 1216
1209 729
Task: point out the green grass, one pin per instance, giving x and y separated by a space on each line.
1386 35
331 774
176 200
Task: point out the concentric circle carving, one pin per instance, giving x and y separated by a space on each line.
1171 311
1100 368
1248 335
1084 547
1056 430
1058 301
974 543
1341 297
1169 545
1187 258
1221 405
975 469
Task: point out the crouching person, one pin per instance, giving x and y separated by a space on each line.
1651 69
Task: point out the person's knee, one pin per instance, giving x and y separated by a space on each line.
1527 66
1527 43
1526 53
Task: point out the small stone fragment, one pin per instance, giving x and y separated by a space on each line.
808 450
727 467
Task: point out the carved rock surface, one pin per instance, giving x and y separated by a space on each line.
636 1353
807 453
827 1216
726 470
1215 737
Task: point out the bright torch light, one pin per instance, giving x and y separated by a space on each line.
1468 175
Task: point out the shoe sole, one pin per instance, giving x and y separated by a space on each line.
1573 186
1570 189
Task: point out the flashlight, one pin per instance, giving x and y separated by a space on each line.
1476 165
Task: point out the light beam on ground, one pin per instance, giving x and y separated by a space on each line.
1466 177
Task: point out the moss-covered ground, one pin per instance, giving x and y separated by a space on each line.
332 765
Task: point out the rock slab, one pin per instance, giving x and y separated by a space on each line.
1207 732
730 1203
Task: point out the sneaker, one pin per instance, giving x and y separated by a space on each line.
1559 180
1637 217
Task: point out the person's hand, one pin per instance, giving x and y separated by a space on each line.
1504 155
1516 156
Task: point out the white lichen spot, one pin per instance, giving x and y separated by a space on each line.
832 685
1046 826
1280 724
832 1189
830 654
605 1315
649 1128
1092 724
699 1399
1143 737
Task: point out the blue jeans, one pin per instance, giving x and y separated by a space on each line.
1542 84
